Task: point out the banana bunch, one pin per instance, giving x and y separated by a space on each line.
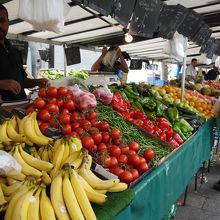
30 165
46 153
67 150
24 130
30 202
3 202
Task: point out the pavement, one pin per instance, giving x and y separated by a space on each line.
203 204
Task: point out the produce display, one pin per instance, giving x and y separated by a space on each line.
213 84
128 131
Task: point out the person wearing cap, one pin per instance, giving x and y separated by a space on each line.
191 69
13 78
112 60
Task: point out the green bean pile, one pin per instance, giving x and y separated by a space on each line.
130 132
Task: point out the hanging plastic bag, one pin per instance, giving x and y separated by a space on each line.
8 165
176 47
110 58
204 60
217 62
44 15
104 95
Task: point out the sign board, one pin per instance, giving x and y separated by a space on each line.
202 35
72 55
145 18
171 17
122 11
22 46
191 24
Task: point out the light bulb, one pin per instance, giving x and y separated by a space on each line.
128 38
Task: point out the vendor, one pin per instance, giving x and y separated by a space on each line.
118 65
212 74
191 69
13 78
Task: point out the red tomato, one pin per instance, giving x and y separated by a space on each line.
73 134
64 111
64 119
134 146
75 117
51 101
101 147
86 125
52 92
142 168
42 93
131 152
62 91
87 142
122 159
82 106
39 103
142 160
124 149
91 115
105 161
115 151
117 171
29 110
59 103
97 137
66 129
149 154
103 126
75 125
44 126
134 160
80 131
115 133
54 123
44 115
105 137
94 122
114 162
93 130
52 108
134 173
69 104
126 177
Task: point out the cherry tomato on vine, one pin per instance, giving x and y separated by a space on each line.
126 177
52 92
88 142
39 103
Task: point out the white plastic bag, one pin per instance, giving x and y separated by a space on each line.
176 47
84 100
44 14
8 165
104 95
217 62
204 60
110 58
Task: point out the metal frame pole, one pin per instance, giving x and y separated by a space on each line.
183 79
64 63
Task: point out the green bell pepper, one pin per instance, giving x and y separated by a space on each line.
151 115
184 124
160 108
173 114
177 129
148 103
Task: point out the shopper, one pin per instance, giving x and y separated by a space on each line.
13 78
112 60
191 69
212 74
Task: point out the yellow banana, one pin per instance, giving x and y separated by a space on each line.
118 187
57 161
66 152
44 155
34 207
26 169
33 152
46 208
50 155
40 151
21 129
21 207
56 147
18 176
3 180
88 163
3 131
96 182
12 133
92 195
70 199
36 126
81 196
8 190
102 191
75 144
57 200
13 122
13 201
75 159
46 178
30 133
34 162
11 181
2 197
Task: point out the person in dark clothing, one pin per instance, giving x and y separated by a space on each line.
13 78
212 74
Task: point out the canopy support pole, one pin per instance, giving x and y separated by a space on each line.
64 63
183 79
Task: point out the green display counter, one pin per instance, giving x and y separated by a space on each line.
155 194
